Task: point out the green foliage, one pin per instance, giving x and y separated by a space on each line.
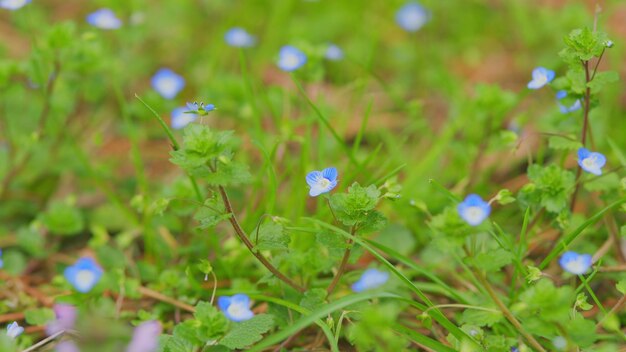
492 260
550 187
63 219
271 236
356 208
248 332
371 334
39 316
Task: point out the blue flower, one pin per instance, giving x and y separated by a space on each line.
541 77
333 53
575 263
1 259
104 19
565 109
290 58
236 308
13 4
200 109
167 83
412 16
474 210
14 330
591 161
239 38
321 181
371 278
181 118
84 274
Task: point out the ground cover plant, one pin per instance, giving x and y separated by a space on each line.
214 175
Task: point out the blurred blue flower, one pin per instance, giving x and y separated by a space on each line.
84 274
474 210
13 4
14 330
67 346
239 38
371 278
167 83
65 315
591 161
181 118
565 109
412 16
321 181
1 259
333 53
104 19
145 337
541 77
290 58
236 308
575 263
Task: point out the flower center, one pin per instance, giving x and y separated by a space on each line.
236 310
590 162
84 278
291 60
475 214
324 183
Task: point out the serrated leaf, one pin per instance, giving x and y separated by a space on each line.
492 260
178 344
355 206
213 323
211 213
271 236
481 317
248 332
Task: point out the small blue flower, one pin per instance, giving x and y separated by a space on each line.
104 19
167 83
290 58
566 109
13 4
236 308
575 263
200 109
84 274
591 161
333 53
541 77
208 107
370 279
181 118
474 210
239 38
412 16
321 181
14 330
1 259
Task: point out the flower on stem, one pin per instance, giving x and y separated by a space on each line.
575 263
560 95
14 330
167 83
201 109
412 16
84 274
13 4
370 279
239 38
181 118
333 53
145 337
591 161
474 210
65 319
236 308
104 19
321 181
541 77
290 58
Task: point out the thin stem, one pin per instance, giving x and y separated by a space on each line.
44 341
244 238
344 263
507 313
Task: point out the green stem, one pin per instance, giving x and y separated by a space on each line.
344 263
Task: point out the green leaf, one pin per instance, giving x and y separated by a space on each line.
63 219
505 197
271 236
248 332
601 79
213 323
178 344
313 298
551 188
357 205
604 183
621 286
492 260
40 316
563 143
582 331
481 317
211 213
581 302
